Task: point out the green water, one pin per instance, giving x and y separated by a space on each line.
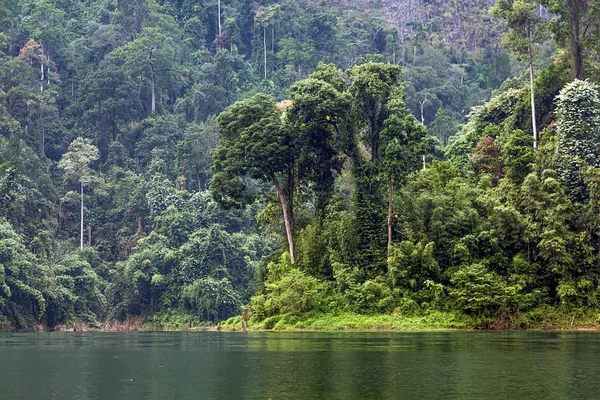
230 365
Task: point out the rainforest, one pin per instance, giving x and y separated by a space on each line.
299 164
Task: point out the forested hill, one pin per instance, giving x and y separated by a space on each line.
185 161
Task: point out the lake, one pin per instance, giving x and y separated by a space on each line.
345 365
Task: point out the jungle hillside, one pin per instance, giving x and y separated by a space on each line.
304 164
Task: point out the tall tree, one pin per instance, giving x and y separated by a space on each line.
150 56
578 133
265 16
319 115
403 144
372 85
577 27
526 28
254 144
76 166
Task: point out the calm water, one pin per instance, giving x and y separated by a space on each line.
229 365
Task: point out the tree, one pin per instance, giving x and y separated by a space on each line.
265 16
443 126
576 27
404 141
254 144
526 28
151 53
578 132
76 166
20 271
372 85
319 115
517 155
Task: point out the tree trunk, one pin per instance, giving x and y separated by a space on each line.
81 227
287 218
576 16
291 184
153 89
219 15
389 217
42 78
531 83
265 49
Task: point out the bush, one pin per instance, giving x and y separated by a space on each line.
296 292
211 299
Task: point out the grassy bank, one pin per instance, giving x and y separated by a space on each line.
539 319
546 318
351 321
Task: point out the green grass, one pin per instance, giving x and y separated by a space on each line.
353 321
542 318
559 318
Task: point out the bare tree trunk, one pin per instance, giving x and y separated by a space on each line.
42 78
219 15
153 90
89 235
576 16
389 219
265 49
81 228
422 103
531 83
287 218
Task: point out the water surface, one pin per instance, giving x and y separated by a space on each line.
233 365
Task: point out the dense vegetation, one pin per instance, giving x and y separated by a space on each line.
187 161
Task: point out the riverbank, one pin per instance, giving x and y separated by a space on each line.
547 319
349 322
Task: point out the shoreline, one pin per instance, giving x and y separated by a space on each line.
344 322
581 328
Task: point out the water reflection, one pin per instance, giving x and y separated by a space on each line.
211 365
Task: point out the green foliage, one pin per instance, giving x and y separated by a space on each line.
487 296
149 117
253 144
411 265
372 86
211 299
578 132
517 155
291 291
526 26
313 255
